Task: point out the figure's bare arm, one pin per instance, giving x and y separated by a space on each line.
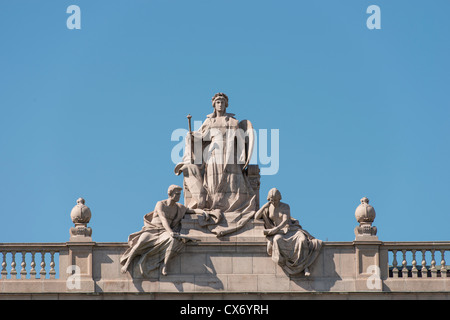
198 211
286 214
259 213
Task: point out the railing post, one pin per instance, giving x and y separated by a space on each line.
443 268
33 266
433 265
394 264
404 264
371 261
23 271
414 270
4 273
13 271
79 269
424 270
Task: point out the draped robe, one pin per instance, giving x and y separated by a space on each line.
152 243
215 180
292 248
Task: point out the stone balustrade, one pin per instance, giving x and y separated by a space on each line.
29 260
232 266
231 269
418 259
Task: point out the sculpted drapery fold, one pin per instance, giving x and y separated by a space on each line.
159 240
289 245
218 190
213 169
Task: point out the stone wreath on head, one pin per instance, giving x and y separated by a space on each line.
220 95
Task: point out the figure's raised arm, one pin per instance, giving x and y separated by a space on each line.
259 213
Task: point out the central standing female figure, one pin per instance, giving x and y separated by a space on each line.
213 172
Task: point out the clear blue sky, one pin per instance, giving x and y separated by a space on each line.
90 112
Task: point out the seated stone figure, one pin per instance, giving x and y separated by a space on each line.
291 247
159 240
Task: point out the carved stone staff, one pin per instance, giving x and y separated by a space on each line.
192 138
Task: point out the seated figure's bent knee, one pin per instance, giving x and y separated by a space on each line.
277 238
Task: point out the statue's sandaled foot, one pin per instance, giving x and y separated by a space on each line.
307 273
218 231
124 269
220 234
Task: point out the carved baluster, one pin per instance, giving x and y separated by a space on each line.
443 268
4 272
394 265
23 271
433 265
424 270
33 265
414 271
404 269
13 271
52 271
43 273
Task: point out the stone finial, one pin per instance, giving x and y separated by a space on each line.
80 215
365 215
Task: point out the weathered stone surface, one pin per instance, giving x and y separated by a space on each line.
290 246
80 215
365 215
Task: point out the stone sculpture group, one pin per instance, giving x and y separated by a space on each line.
218 191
